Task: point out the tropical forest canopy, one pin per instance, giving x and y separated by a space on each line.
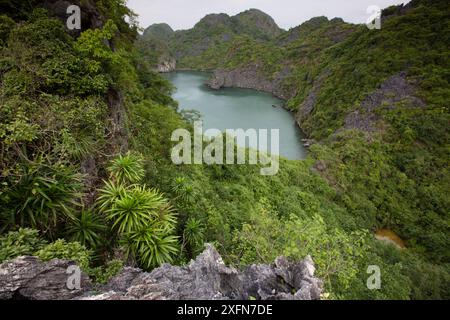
85 126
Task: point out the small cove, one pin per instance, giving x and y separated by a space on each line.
235 108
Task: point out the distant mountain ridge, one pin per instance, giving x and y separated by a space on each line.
208 44
211 31
159 30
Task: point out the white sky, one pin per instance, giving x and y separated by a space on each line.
184 14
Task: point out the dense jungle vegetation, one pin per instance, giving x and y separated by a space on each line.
85 169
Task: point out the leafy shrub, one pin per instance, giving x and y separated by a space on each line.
334 252
93 42
102 274
61 249
6 25
24 242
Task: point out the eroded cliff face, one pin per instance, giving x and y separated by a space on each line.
283 72
205 278
396 89
166 65
251 77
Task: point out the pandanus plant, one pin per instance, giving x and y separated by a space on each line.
141 217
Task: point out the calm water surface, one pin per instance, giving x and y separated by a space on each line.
233 108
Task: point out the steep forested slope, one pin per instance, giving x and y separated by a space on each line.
85 130
377 100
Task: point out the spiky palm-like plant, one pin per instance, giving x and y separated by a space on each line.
193 232
136 209
141 217
127 168
151 247
87 228
193 237
110 194
183 190
41 195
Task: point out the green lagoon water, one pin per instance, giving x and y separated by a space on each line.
233 108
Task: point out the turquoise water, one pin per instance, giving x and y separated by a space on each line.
233 108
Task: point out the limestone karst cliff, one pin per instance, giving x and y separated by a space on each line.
205 278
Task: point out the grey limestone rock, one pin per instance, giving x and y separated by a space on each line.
206 278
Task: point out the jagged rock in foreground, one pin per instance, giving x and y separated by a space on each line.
29 278
205 278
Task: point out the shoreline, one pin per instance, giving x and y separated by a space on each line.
306 140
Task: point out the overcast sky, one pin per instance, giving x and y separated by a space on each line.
184 14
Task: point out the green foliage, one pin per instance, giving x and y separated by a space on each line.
61 249
87 228
334 252
149 134
142 218
40 195
102 274
136 209
6 25
57 94
23 242
127 169
151 246
183 190
57 68
394 178
193 235
75 147
93 42
110 194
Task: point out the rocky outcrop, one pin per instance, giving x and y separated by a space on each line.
282 83
250 77
257 23
91 18
215 29
29 278
155 39
158 30
166 65
205 278
394 90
